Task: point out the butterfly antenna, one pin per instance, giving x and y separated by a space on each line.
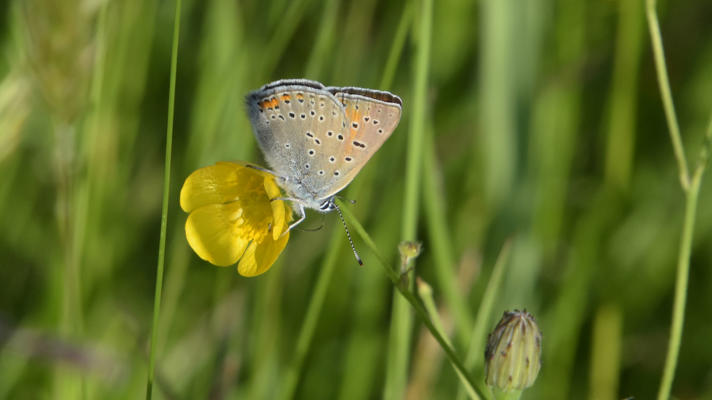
348 235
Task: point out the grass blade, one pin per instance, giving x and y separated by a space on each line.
165 203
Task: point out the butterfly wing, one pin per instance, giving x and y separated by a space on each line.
371 118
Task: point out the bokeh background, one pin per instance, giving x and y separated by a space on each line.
543 128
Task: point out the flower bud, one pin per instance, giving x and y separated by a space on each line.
409 250
513 352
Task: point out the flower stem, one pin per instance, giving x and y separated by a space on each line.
408 295
691 188
508 395
665 93
164 207
426 296
683 271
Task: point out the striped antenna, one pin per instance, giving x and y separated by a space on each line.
348 234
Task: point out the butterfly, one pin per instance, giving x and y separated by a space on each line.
316 139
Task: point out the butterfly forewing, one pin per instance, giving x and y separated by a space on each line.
371 116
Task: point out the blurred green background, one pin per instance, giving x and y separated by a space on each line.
543 125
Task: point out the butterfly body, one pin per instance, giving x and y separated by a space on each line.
316 139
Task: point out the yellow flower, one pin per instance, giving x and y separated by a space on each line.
233 216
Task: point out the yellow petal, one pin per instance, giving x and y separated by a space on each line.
278 207
220 183
259 257
282 215
214 232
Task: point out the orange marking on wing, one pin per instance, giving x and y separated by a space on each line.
273 102
300 96
354 133
286 97
353 115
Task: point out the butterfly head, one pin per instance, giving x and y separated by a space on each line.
327 205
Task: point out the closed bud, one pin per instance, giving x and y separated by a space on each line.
409 250
513 352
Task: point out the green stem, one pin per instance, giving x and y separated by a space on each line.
164 207
683 270
408 295
426 296
691 189
665 93
507 395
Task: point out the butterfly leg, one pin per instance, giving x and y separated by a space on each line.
297 207
257 167
300 210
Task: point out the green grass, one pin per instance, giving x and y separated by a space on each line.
537 127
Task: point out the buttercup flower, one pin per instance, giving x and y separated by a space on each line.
233 216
